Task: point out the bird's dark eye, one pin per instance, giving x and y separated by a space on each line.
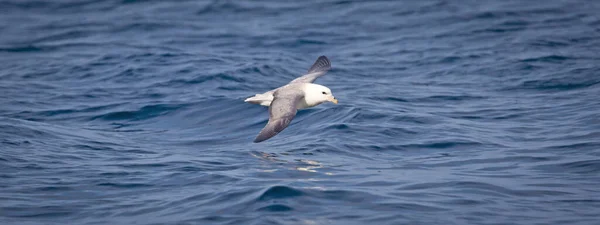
324 93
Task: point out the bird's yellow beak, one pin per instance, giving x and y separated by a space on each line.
333 99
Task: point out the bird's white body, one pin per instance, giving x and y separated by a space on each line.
313 96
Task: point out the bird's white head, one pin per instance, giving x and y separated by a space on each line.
316 94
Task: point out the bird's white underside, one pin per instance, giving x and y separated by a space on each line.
310 92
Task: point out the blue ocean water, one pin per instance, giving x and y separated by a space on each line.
451 112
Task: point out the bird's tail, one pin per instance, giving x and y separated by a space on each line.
261 99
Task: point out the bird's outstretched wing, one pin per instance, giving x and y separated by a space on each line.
319 68
281 112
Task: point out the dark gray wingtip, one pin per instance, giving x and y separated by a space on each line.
322 64
264 134
273 128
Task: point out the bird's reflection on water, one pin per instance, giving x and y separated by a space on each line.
305 165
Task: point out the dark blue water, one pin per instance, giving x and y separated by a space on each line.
451 112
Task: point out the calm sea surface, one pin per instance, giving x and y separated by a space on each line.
451 112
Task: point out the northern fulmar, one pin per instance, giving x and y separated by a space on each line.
285 101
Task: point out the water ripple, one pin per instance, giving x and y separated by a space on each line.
132 112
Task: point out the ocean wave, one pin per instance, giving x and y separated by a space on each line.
133 112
